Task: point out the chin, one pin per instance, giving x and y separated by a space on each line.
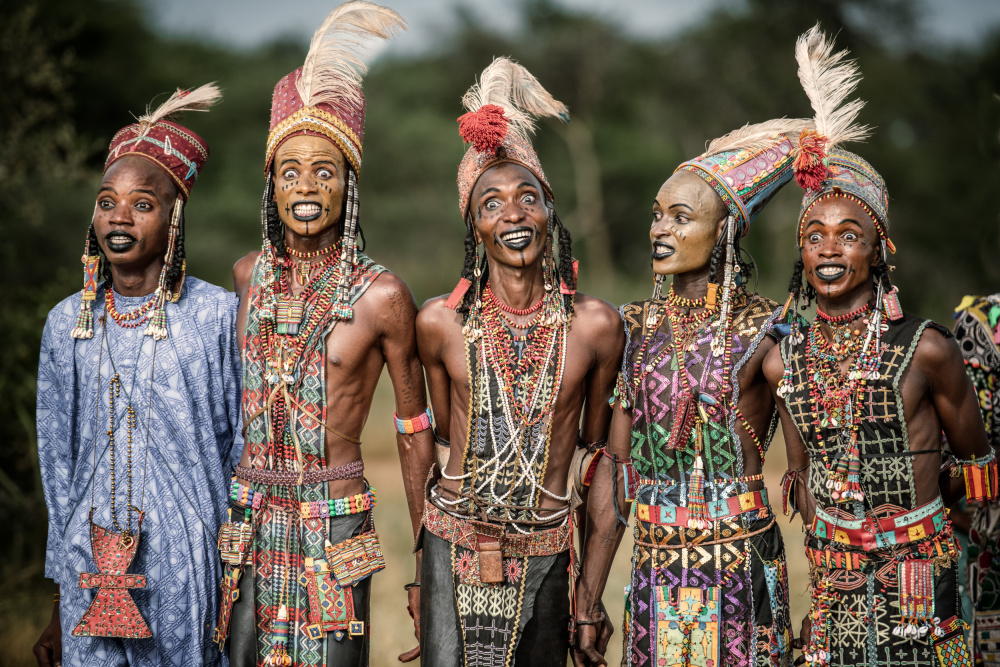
308 229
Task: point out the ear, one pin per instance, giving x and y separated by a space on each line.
720 227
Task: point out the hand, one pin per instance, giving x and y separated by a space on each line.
592 642
803 641
48 648
413 606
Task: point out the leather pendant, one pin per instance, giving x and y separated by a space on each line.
113 612
490 560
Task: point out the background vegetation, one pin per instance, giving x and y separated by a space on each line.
70 79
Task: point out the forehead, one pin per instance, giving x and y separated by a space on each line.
836 210
683 187
504 176
133 172
308 148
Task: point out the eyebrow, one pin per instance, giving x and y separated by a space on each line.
289 159
526 183
844 221
145 191
107 188
488 191
684 205
325 162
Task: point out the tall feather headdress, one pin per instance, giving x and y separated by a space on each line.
324 96
199 99
828 79
501 111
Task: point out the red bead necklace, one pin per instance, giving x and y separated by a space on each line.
846 318
490 296
132 318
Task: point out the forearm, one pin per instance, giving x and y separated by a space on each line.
604 535
416 455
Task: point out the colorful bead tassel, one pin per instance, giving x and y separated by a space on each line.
85 318
697 511
279 632
981 479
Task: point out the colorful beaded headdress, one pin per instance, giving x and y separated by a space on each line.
501 111
502 108
323 98
821 168
181 154
748 166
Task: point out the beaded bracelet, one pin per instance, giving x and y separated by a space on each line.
321 509
417 424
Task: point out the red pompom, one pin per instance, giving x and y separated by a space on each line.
485 129
811 162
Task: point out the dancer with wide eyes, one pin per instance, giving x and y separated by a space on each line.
138 416
516 361
319 320
692 422
864 393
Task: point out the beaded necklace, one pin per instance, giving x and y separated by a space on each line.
132 318
836 398
522 373
492 298
302 261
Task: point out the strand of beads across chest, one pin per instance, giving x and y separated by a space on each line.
527 370
692 407
836 398
298 326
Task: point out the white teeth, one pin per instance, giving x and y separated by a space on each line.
306 209
828 270
516 236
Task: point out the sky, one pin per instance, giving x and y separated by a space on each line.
250 23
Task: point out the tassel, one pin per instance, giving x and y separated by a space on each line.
84 322
278 655
852 485
890 302
697 511
485 128
85 318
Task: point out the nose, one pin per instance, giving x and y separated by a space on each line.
829 248
121 214
306 185
513 212
659 228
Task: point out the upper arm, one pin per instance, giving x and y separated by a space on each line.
939 361
430 344
607 340
774 369
397 312
242 274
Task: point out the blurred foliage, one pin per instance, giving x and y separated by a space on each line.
71 78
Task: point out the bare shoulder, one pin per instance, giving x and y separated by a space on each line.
937 351
435 317
243 271
389 301
774 365
597 316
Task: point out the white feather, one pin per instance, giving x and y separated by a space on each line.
333 69
199 99
513 88
758 136
828 78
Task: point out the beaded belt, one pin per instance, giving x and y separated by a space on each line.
871 533
839 560
470 534
672 515
352 470
322 509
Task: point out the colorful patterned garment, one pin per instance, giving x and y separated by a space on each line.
283 543
977 330
876 589
501 549
721 592
194 443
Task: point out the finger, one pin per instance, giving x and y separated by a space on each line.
410 655
607 629
593 656
57 650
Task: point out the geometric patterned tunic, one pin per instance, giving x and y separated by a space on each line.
194 443
864 581
736 568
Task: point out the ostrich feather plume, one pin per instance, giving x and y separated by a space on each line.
828 78
759 135
199 99
333 70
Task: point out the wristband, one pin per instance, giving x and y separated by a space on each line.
417 424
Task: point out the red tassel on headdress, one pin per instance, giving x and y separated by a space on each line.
485 128
811 161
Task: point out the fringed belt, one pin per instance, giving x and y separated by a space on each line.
673 515
352 470
872 533
679 537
